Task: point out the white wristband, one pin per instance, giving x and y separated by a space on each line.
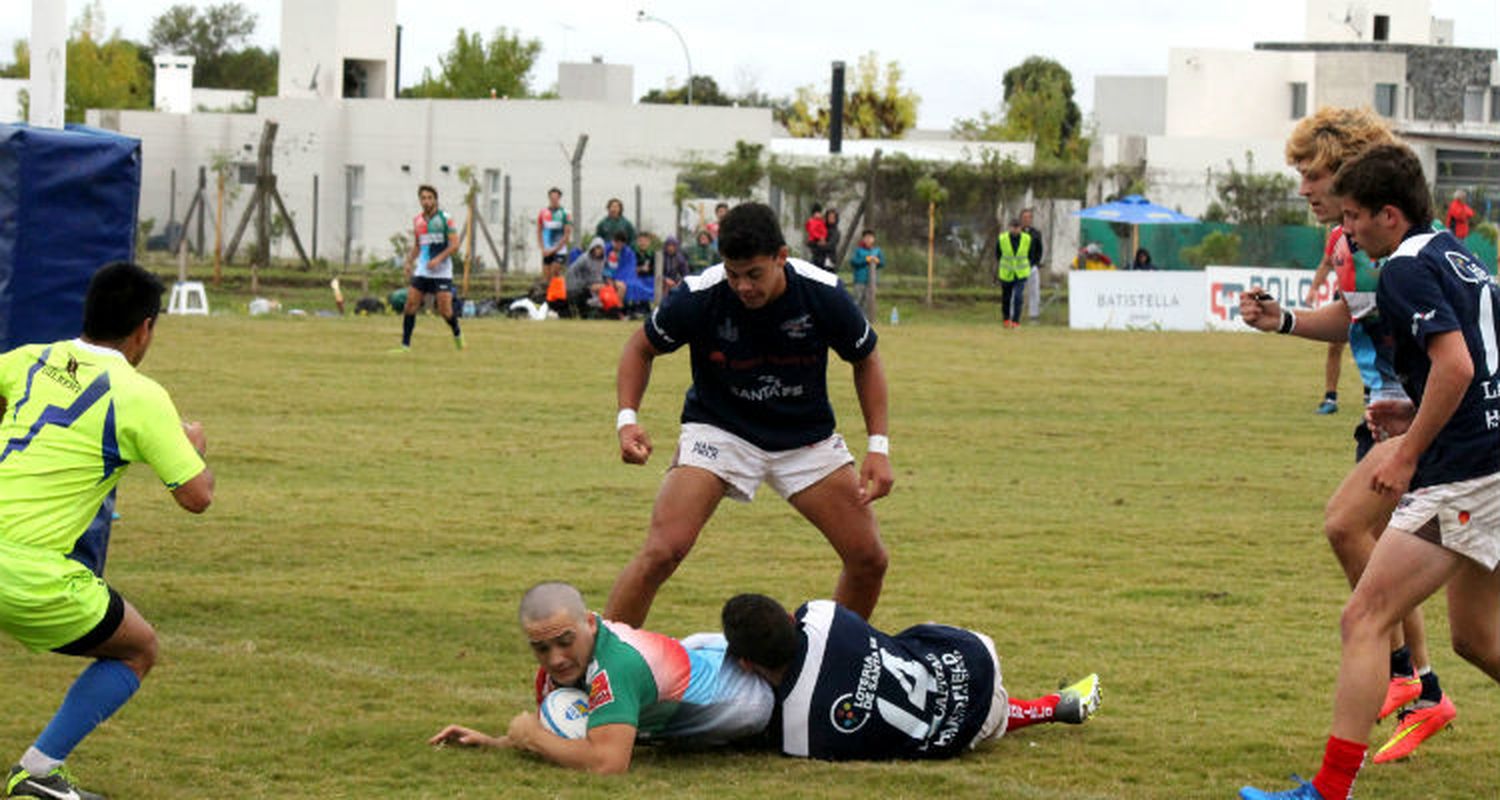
625 417
879 444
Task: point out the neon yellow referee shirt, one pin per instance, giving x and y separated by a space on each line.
76 415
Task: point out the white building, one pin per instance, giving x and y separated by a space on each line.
1215 105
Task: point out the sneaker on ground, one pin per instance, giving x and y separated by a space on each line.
1414 726
458 342
1078 701
399 350
1302 791
1328 407
1402 691
55 785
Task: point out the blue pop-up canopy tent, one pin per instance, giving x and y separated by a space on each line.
68 201
1134 210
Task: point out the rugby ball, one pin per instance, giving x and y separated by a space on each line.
565 712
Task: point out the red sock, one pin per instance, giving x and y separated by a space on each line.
1341 762
1031 712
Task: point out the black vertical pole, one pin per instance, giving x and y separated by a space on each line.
836 110
396 90
315 218
202 205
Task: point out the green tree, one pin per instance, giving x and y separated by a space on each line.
1251 198
21 66
706 92
1218 247
475 68
736 175
1037 106
216 38
102 72
875 107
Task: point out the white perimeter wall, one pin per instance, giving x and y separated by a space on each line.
525 139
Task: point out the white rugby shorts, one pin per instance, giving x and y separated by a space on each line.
1463 516
744 466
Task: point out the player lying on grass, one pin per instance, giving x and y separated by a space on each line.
848 691
640 685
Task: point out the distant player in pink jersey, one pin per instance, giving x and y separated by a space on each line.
641 685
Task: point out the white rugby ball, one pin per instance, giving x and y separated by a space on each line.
565 712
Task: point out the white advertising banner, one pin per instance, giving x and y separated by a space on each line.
1147 300
1290 287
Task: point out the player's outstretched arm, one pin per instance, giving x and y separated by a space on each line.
631 379
1327 324
875 476
466 737
605 751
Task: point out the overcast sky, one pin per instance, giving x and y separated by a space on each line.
953 52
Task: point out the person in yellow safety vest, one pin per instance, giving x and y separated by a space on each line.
1012 252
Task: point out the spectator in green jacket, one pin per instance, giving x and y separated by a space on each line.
702 255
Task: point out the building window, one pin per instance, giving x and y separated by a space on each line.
492 196
1495 104
1385 99
1473 104
1382 28
1299 100
354 201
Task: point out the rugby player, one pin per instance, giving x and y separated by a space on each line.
641 685
848 691
759 327
1356 515
73 416
1440 306
429 267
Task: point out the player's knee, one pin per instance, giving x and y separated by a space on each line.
1364 615
869 562
144 657
659 560
1480 648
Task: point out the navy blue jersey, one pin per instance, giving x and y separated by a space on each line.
853 692
762 374
1433 285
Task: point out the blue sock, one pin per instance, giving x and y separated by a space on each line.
99 692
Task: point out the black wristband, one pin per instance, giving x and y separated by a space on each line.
1288 321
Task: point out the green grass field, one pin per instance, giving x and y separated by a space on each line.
1143 505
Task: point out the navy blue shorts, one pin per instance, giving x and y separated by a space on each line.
432 285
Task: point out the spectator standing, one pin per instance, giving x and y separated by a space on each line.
866 256
1033 286
614 221
1012 254
720 209
831 227
554 229
1459 214
815 231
